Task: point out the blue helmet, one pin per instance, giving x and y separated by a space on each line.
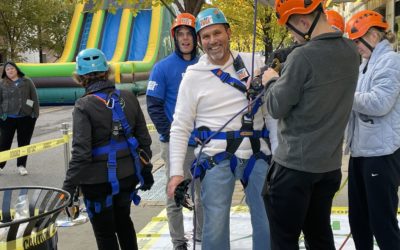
209 17
91 60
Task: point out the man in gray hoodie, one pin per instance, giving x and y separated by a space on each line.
312 100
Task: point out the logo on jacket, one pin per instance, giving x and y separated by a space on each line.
152 85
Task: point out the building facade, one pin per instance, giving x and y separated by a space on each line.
390 9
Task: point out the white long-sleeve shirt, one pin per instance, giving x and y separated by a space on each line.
204 100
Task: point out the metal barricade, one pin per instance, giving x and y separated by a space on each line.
64 220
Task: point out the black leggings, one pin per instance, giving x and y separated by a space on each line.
114 221
24 127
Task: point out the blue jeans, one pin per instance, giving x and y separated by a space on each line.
217 188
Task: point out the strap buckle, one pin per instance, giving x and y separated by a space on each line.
247 125
110 103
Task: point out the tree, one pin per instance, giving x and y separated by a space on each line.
189 6
34 25
12 27
48 27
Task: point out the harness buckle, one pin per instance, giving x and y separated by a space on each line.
246 133
212 162
247 125
110 103
116 128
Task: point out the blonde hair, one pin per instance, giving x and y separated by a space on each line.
388 35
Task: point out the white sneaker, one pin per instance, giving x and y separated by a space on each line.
22 171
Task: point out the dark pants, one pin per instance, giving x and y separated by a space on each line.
24 127
114 221
373 201
300 201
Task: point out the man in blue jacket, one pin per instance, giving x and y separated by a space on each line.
162 92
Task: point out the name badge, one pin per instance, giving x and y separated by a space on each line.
29 102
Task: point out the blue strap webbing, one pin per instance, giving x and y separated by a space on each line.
250 166
248 169
88 205
210 162
118 115
204 134
105 149
237 84
226 78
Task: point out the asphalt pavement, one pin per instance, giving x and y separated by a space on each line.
48 169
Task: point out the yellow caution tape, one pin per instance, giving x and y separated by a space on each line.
151 128
41 146
345 210
33 148
32 241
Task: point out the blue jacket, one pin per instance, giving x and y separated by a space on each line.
374 125
162 92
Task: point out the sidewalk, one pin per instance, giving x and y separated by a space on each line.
152 206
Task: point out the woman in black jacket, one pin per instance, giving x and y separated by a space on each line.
19 109
105 159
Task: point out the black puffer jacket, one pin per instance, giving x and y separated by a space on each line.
92 123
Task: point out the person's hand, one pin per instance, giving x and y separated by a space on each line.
268 75
146 172
148 178
172 184
3 116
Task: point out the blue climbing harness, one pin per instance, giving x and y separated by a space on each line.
233 138
112 101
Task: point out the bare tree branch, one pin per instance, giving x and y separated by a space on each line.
198 6
180 7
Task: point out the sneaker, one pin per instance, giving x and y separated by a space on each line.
22 171
1 171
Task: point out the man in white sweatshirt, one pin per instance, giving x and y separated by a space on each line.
211 93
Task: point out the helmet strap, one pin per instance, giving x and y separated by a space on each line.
366 44
306 36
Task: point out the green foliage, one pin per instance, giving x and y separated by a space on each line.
189 6
12 27
33 25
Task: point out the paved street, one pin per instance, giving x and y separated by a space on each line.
48 169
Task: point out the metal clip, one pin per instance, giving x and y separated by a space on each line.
110 103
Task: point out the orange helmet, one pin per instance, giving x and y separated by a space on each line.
335 19
185 19
285 8
361 22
